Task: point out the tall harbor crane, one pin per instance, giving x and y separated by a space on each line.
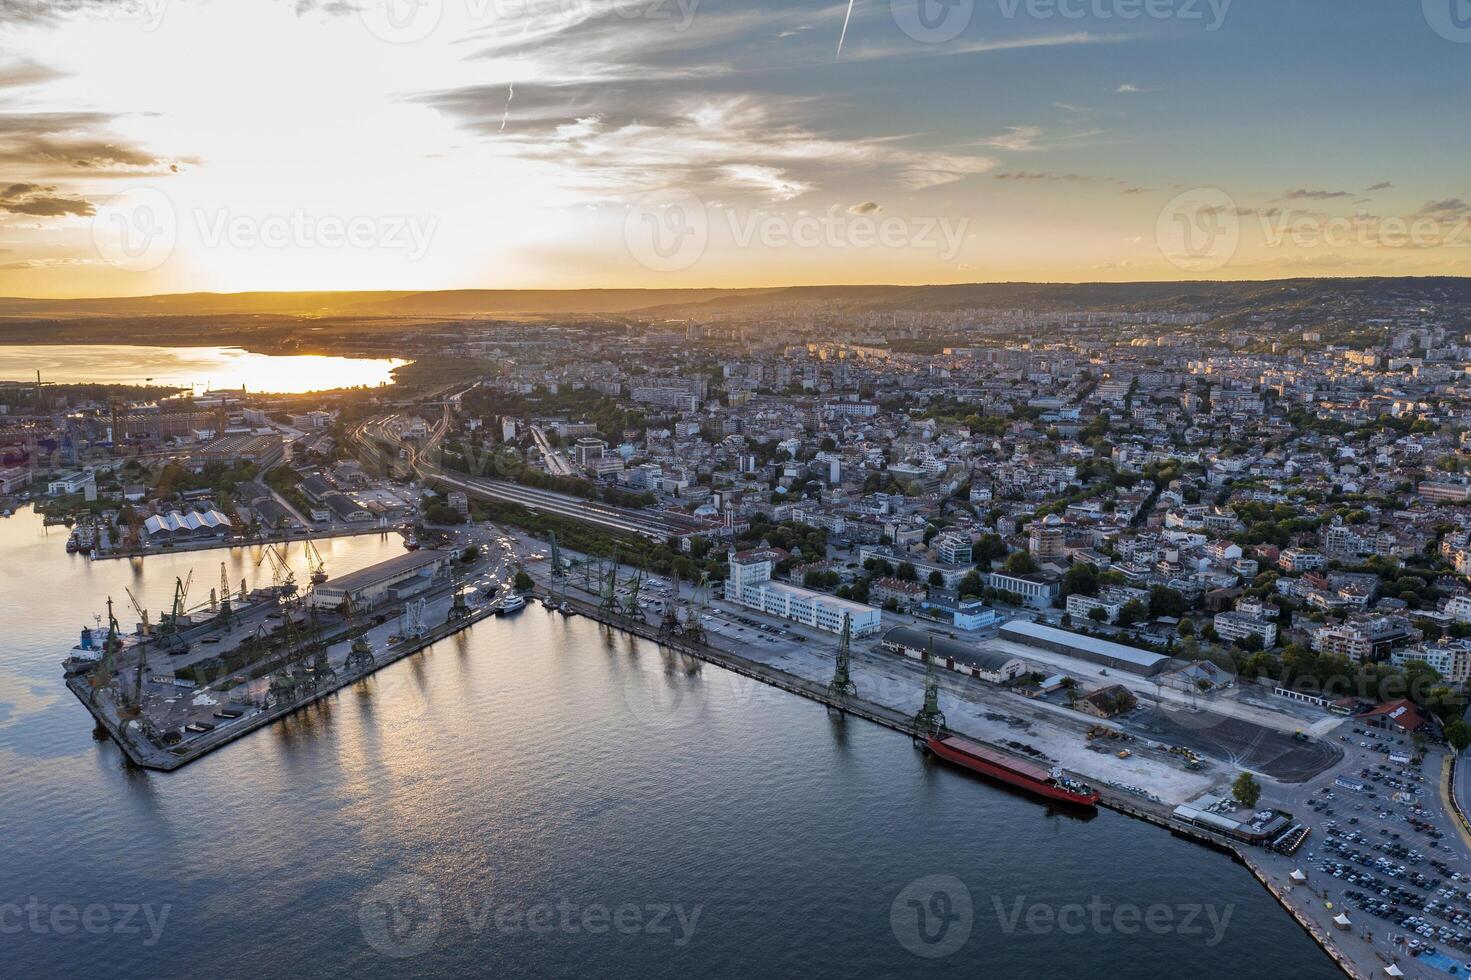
930 718
143 628
360 657
226 611
318 566
841 687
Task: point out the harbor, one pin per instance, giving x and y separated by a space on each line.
465 721
227 709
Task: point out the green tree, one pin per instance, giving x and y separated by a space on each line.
989 548
1165 601
1132 612
1247 790
1080 579
523 582
1020 563
1458 733
907 573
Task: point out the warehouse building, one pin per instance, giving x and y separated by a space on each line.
396 578
750 585
1112 655
998 668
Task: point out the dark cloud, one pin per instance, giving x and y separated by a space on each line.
1383 185
1048 175
56 143
41 201
1451 207
1303 194
867 207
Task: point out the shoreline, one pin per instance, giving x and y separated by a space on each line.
240 545
1111 798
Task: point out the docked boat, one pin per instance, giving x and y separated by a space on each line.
510 603
1021 773
412 543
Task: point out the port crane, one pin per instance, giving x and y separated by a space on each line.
670 625
143 628
226 612
318 566
360 657
841 687
635 585
171 624
929 719
282 577
111 647
608 600
694 623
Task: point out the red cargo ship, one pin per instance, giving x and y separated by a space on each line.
1029 776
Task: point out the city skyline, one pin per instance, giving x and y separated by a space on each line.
666 144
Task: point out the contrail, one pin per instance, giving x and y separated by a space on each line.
510 94
843 35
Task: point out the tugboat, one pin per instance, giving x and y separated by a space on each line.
412 544
1050 783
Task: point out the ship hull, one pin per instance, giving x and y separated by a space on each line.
1022 781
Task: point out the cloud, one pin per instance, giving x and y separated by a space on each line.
1016 138
1304 194
41 201
770 181
1128 88
66 143
1447 209
1383 185
867 207
1045 175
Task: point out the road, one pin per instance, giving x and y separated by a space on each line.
557 464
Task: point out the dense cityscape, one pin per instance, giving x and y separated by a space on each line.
735 488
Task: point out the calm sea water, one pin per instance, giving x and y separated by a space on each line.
197 368
540 797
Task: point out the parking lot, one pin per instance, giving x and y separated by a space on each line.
1385 854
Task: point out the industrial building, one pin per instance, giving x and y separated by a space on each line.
1109 654
916 644
396 578
191 526
750 585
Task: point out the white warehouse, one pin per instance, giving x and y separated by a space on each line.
750 585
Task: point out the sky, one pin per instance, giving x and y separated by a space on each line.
152 146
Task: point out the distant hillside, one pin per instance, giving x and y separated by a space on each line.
466 302
1215 297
